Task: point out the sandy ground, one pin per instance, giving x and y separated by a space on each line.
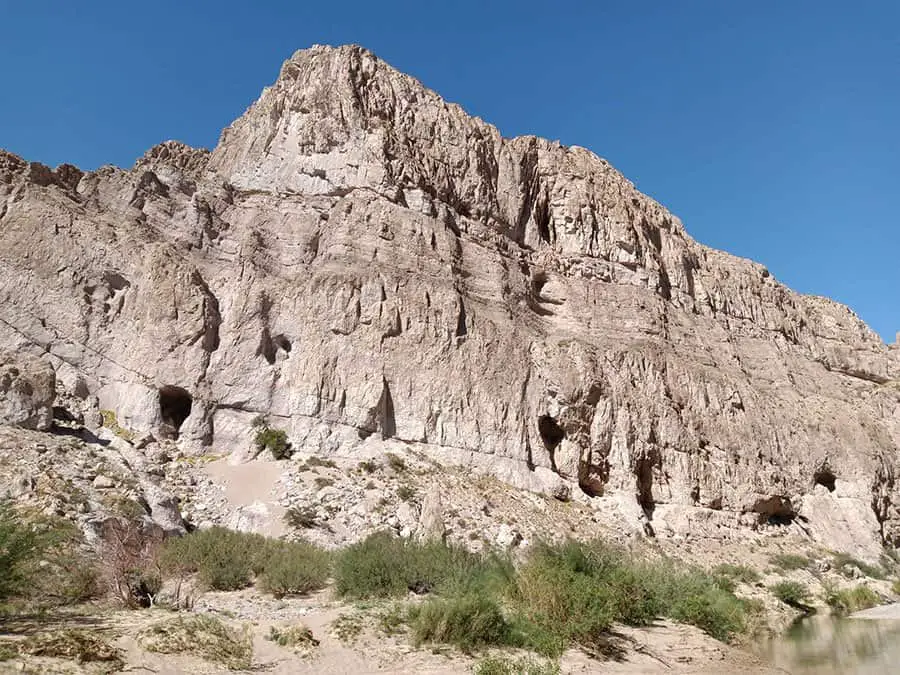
664 648
251 483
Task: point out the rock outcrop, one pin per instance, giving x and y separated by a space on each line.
363 263
27 390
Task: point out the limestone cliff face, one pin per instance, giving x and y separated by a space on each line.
365 263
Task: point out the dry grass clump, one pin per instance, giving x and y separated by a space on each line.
200 635
72 644
297 637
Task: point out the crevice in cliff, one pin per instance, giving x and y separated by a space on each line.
461 330
552 435
643 473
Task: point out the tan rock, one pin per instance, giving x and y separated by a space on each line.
27 390
366 264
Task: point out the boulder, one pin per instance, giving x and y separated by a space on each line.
27 391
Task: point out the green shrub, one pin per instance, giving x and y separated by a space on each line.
301 518
20 553
736 573
575 592
392 619
383 566
322 482
405 493
222 559
696 598
791 593
895 587
275 441
396 463
466 621
294 568
841 561
789 562
368 466
226 560
849 600
318 461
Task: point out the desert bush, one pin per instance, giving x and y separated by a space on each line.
467 621
789 562
895 587
574 592
294 568
20 552
301 517
201 635
694 597
273 440
395 462
383 566
319 461
129 551
405 493
226 560
222 559
368 466
849 600
41 562
736 573
842 561
298 637
791 593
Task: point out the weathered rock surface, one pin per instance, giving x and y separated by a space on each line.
27 390
360 261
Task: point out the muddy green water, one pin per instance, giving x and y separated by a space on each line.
826 645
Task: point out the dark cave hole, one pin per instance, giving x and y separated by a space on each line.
282 343
826 478
551 433
174 406
781 519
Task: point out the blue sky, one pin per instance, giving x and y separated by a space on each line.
772 128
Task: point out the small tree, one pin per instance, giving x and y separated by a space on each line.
129 551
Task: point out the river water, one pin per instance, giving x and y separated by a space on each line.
825 645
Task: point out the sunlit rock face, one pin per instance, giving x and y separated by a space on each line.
364 263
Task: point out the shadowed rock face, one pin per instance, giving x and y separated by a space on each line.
365 263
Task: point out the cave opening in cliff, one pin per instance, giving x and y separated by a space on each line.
174 407
825 478
775 510
643 473
551 433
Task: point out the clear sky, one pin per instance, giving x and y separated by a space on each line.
771 127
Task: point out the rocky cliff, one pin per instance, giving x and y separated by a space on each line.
364 263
